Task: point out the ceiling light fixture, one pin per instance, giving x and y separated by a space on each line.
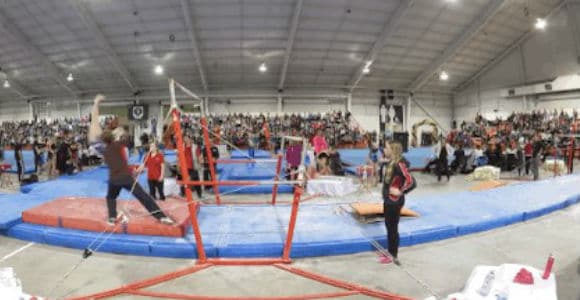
443 76
263 68
6 84
367 68
158 69
70 78
540 24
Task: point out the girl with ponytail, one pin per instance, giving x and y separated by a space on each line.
397 181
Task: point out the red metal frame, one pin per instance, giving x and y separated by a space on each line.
203 262
202 257
210 160
137 287
188 194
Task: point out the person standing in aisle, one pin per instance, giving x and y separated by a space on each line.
397 182
19 160
538 150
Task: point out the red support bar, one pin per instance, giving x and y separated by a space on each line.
341 284
275 188
193 297
188 194
246 261
210 160
292 224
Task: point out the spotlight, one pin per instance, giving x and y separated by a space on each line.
443 76
6 84
158 70
70 77
540 24
263 68
367 68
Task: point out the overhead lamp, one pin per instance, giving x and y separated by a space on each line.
541 23
70 77
158 70
367 68
443 76
263 68
6 84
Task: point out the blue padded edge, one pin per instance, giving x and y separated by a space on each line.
116 243
27 232
433 234
531 214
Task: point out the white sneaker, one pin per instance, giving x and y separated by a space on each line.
111 221
166 221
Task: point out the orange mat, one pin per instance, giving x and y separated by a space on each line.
487 185
90 214
369 209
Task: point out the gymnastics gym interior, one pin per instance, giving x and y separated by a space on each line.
295 119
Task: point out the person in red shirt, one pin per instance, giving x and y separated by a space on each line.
155 163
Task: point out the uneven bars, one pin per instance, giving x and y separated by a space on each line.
186 90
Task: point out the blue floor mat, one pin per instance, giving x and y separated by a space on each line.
243 154
28 157
260 230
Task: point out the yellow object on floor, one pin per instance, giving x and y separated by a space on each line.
369 209
487 185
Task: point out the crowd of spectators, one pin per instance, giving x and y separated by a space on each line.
59 146
265 130
515 142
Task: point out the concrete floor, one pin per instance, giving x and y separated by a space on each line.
442 267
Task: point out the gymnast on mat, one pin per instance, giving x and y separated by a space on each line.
111 142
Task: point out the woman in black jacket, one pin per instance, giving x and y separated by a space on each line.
397 181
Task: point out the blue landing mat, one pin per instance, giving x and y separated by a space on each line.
28 157
417 157
261 170
237 154
259 230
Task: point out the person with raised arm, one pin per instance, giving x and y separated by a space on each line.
112 143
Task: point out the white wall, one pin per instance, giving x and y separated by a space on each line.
365 108
543 57
14 111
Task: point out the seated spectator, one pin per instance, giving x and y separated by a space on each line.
334 162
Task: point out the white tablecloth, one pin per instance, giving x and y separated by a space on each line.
331 186
170 187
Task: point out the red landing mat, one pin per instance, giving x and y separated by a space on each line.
90 214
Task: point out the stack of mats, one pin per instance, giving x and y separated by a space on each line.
90 214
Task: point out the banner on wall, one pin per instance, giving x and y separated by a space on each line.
391 116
